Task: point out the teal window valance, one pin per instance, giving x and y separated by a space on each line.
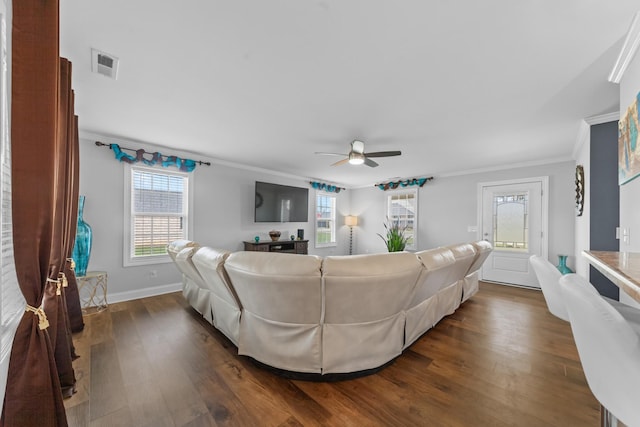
403 183
325 187
185 165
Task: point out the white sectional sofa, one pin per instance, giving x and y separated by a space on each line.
332 315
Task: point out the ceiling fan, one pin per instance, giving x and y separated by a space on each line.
357 156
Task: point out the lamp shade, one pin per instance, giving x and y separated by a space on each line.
350 220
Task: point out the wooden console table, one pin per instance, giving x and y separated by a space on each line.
281 246
622 268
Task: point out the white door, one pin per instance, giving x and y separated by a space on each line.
513 218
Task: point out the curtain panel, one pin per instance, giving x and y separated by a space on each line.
74 310
55 302
41 170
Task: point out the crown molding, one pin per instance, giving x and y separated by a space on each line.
584 131
613 116
629 48
584 134
532 163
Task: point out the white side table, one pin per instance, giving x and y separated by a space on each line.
93 291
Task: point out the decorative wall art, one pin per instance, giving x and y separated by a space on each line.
579 190
628 150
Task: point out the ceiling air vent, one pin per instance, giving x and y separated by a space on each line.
104 63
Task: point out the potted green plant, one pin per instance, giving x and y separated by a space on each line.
395 239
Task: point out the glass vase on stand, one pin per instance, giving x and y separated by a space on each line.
82 246
562 265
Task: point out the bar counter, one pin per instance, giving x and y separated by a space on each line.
622 268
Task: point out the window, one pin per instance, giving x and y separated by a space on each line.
403 207
158 213
325 220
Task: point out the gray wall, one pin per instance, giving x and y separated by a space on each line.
447 206
223 212
603 186
223 215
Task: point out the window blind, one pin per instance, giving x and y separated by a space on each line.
325 220
403 208
12 302
158 211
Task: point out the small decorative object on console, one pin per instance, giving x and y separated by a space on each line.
562 265
82 246
292 237
257 239
275 235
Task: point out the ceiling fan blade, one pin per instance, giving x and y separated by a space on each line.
357 146
329 154
383 154
341 162
370 162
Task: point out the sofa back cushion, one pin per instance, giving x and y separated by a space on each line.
209 262
365 288
184 262
439 272
483 249
465 254
177 245
279 287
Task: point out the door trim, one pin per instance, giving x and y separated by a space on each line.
544 221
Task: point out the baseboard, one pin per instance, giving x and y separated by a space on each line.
144 293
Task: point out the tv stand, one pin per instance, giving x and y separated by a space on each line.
281 246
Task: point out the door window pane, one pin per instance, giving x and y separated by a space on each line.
511 221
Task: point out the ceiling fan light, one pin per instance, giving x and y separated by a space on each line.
356 158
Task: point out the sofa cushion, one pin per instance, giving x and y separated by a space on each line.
281 298
276 286
365 288
470 285
177 245
438 273
365 299
223 301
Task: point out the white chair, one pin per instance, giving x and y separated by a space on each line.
549 276
609 349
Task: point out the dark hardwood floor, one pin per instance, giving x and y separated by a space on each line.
501 359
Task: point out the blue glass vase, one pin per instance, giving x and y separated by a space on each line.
562 265
82 246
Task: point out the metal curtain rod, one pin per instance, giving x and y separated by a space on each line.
102 144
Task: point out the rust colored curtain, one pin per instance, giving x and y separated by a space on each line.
55 301
74 310
33 395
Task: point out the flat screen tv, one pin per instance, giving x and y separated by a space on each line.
281 203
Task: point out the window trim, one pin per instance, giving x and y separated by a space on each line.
128 260
333 243
414 191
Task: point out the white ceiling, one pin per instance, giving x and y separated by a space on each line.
454 85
